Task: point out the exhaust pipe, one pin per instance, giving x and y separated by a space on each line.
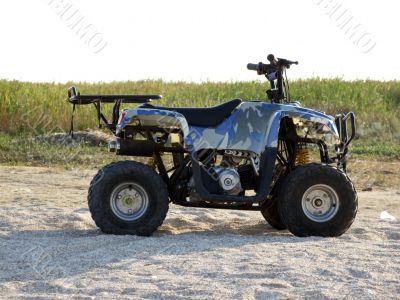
132 147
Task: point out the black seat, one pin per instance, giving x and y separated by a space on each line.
203 117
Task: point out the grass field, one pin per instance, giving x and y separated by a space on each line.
30 109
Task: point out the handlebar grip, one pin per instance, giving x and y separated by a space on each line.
252 67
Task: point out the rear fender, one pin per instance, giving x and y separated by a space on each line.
153 117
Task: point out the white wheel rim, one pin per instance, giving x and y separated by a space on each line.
320 203
129 201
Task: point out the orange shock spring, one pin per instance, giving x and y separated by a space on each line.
302 155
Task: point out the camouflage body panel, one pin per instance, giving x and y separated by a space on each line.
252 126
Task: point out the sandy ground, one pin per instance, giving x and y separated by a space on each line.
50 248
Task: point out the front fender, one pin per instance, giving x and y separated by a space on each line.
301 114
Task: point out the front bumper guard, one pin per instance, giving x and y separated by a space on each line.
342 123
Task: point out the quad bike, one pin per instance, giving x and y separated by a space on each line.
238 155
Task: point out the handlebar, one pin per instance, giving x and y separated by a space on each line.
275 73
274 65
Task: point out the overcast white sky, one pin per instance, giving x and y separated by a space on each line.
196 40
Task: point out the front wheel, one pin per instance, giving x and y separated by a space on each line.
127 197
317 200
271 215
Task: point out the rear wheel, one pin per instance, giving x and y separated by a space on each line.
317 200
128 197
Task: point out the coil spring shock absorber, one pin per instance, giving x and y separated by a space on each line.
302 155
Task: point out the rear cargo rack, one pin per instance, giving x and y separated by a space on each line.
75 98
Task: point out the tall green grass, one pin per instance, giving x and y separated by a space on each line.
34 108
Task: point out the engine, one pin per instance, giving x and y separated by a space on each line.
231 174
228 180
